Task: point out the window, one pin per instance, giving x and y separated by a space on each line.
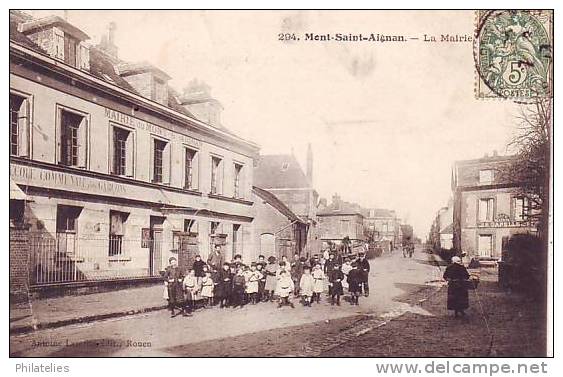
190 226
73 140
161 161
485 245
123 152
190 169
237 193
486 209
345 227
67 218
19 125
214 227
216 175
520 209
486 176
116 232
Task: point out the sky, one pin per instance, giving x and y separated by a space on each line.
386 121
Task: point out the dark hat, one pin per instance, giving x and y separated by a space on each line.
226 264
303 259
253 264
171 259
271 259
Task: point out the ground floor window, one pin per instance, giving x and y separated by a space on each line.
485 245
116 233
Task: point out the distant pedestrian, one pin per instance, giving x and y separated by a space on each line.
354 284
318 286
335 278
457 276
296 272
364 268
173 279
271 278
346 268
306 285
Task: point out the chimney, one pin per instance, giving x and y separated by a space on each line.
310 163
336 200
495 153
148 80
107 44
197 100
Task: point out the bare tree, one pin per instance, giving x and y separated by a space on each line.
531 168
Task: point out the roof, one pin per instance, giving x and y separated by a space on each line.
381 212
56 21
275 202
343 208
280 171
126 69
22 39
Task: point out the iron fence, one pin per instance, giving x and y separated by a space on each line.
66 257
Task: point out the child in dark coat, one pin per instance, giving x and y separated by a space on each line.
335 278
355 280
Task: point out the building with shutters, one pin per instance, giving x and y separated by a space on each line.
113 170
487 208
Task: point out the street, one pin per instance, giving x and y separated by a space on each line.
405 315
156 333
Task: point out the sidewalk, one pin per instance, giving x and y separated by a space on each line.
66 310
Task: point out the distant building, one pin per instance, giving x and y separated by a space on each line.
277 230
441 232
487 208
385 225
283 176
341 219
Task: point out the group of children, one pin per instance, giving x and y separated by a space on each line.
236 284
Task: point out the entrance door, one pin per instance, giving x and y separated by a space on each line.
155 247
485 245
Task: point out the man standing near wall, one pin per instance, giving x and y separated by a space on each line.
215 259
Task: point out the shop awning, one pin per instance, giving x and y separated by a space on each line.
16 192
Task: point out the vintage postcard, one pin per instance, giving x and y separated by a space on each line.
281 183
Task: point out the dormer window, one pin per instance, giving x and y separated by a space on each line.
60 39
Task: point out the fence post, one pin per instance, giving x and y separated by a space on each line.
19 262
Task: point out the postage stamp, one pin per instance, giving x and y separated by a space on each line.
514 54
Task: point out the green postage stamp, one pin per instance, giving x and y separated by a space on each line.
514 54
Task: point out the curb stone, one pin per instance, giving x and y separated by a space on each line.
17 330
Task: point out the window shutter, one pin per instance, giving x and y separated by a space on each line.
166 164
130 155
195 171
24 129
84 54
116 224
83 143
59 44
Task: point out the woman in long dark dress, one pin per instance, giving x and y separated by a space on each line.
458 298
